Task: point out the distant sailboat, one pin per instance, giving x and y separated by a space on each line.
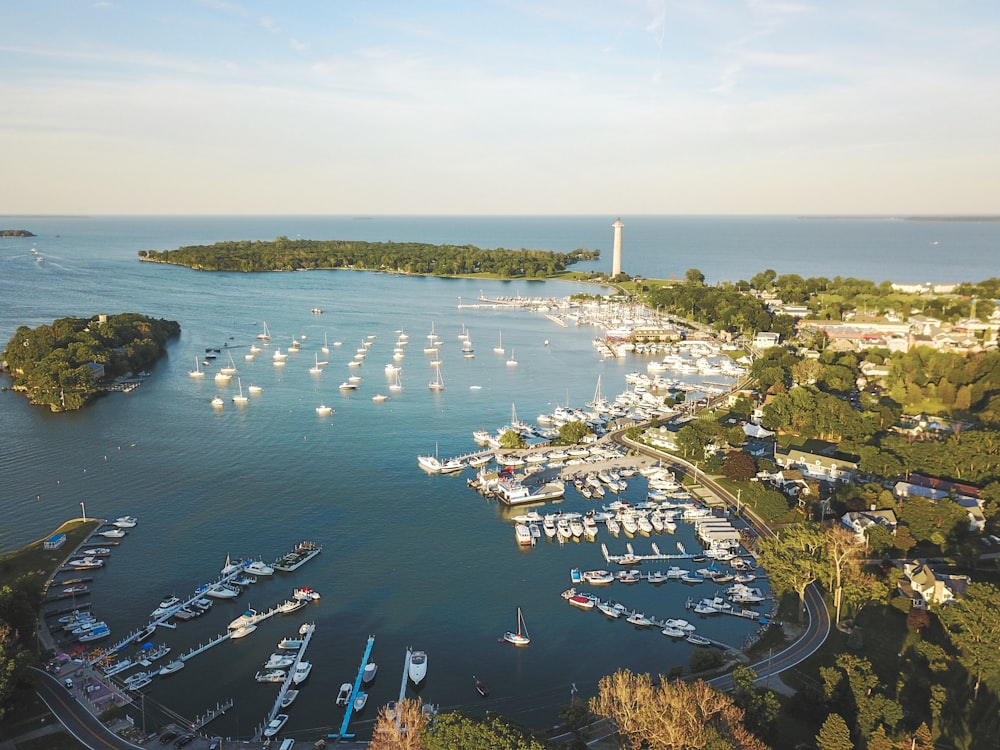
316 369
264 335
239 398
229 369
437 384
512 362
396 385
326 346
499 347
197 372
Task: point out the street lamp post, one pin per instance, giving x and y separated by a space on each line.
83 510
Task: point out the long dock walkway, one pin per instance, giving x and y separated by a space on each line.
290 677
342 734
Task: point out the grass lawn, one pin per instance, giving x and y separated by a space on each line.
34 559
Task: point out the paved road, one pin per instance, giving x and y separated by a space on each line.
76 718
818 627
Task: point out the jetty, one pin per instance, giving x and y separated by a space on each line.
306 631
632 558
342 734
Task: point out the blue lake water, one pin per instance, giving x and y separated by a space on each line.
413 559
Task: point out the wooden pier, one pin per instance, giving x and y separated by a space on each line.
631 558
211 714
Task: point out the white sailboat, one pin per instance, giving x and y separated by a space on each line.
230 368
512 362
499 347
437 384
396 385
239 398
264 335
520 636
316 369
197 372
326 346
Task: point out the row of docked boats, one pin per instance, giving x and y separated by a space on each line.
671 627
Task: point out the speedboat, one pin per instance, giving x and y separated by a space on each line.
85 562
248 617
80 588
169 668
274 725
292 644
271 675
222 591
698 640
305 593
323 410
279 661
344 696
369 674
360 700
289 697
96 633
115 533
417 668
302 670
126 522
243 631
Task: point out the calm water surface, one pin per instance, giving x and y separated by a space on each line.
413 559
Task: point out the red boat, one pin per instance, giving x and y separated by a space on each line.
583 602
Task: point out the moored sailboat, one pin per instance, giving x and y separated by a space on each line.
520 636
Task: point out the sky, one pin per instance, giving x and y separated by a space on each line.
509 107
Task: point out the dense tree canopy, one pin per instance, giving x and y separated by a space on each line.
51 362
284 254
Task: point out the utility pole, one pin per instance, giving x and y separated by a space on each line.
83 510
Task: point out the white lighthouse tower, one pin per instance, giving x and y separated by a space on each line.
616 259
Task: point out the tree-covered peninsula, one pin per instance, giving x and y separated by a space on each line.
16 233
67 364
284 254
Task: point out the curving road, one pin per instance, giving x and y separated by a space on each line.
76 718
818 627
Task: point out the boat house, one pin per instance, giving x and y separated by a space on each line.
55 541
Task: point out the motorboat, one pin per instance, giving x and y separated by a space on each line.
639 620
85 562
302 670
279 661
217 402
523 534
222 591
698 640
79 588
305 593
360 700
274 725
671 632
323 410
379 397
115 533
598 577
481 687
417 668
582 602
289 697
434 465
167 606
371 669
259 568
95 633
292 605
125 522
613 610
248 617
348 386
243 631
101 551
520 636
170 667
344 696
255 389
271 675
292 644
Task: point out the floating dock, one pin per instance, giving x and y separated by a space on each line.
342 734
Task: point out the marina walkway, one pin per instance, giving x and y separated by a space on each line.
342 734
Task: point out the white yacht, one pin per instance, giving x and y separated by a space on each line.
417 668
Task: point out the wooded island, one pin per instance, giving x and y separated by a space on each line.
283 254
67 364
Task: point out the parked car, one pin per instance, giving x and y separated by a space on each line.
183 740
168 736
68 683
